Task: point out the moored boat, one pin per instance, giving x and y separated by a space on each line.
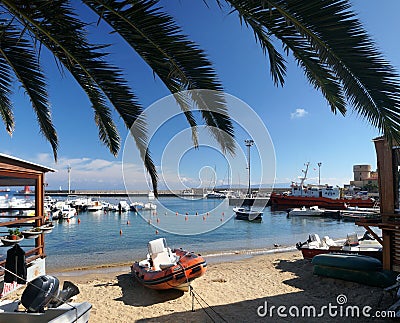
366 246
326 196
168 269
248 214
303 211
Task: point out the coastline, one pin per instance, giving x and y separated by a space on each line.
210 257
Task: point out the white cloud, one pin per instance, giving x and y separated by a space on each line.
299 113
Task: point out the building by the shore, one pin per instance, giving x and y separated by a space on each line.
364 178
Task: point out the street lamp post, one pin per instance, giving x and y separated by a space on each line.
69 179
249 143
319 173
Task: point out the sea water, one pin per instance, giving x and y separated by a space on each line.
203 226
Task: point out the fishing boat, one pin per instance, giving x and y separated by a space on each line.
168 269
366 245
303 211
326 196
248 214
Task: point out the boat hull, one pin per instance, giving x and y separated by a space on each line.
189 267
310 253
282 202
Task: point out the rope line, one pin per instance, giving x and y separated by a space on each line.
194 293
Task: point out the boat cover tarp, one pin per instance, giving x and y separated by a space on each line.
356 268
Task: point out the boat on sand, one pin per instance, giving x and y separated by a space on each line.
366 246
168 269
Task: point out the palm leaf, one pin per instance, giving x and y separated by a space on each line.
5 92
21 58
328 33
55 25
159 41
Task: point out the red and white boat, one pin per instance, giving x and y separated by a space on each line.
168 269
327 197
366 246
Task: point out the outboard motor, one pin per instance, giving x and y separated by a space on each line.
39 292
43 292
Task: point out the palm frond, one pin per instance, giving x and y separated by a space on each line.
159 41
56 26
5 92
21 58
332 33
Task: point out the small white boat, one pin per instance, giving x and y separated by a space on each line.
149 206
303 211
136 206
248 214
68 212
94 206
215 195
123 206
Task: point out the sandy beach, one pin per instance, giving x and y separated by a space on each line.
238 291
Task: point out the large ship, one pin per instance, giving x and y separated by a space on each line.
326 196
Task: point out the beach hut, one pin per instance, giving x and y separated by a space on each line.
15 172
388 163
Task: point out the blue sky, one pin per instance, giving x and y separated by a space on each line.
298 119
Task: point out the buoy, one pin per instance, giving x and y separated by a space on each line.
68 220
158 220
156 231
79 220
223 213
120 232
127 222
221 219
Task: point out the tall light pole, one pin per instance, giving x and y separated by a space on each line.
319 173
69 179
249 143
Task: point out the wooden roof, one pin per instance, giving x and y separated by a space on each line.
12 163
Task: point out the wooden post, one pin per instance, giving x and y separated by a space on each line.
39 202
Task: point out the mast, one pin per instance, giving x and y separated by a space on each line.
304 177
249 143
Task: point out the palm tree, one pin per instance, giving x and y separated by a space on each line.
325 37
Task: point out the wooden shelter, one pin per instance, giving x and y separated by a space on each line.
17 172
388 162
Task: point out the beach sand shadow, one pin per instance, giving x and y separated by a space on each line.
135 294
314 290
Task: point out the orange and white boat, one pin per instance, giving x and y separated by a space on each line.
168 269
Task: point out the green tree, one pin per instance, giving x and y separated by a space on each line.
324 36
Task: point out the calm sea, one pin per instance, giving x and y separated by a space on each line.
203 226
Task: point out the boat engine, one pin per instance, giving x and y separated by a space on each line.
39 292
43 292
